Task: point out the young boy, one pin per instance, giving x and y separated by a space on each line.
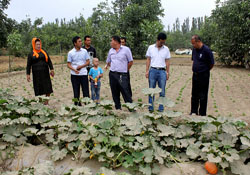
95 75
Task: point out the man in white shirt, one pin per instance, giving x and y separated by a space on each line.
78 60
157 67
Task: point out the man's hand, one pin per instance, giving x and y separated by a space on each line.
79 68
147 66
147 73
73 69
167 75
77 72
106 66
28 78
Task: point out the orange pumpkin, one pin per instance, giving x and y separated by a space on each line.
211 167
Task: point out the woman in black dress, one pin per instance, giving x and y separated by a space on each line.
40 63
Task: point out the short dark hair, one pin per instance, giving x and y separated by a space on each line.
124 38
74 40
116 38
196 38
87 36
161 36
37 40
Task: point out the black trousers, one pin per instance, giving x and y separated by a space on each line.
88 69
119 84
77 81
129 85
200 86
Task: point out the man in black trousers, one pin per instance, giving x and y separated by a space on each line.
203 62
120 60
91 51
124 43
78 60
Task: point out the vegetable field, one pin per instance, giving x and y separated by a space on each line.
141 142
229 93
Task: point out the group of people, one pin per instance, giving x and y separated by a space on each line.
84 68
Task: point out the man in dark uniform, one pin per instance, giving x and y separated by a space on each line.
90 49
203 62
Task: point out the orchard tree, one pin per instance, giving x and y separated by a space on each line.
134 14
14 42
232 20
3 22
208 33
103 25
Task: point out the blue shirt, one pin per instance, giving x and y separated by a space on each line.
119 60
77 58
202 59
95 72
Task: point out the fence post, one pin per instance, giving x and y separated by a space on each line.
61 57
9 71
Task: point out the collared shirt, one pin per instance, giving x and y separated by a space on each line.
77 58
92 53
202 59
158 56
119 60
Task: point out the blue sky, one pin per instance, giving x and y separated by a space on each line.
52 9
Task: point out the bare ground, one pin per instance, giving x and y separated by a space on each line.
229 92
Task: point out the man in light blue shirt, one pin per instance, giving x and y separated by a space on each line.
78 60
120 61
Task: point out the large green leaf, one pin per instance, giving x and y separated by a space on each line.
208 128
213 158
230 129
238 167
146 170
107 104
148 156
165 101
23 110
57 154
165 130
245 141
193 151
151 91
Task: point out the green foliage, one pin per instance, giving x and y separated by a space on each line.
133 16
177 40
150 30
15 45
207 32
226 31
139 141
180 35
103 26
137 20
232 31
6 24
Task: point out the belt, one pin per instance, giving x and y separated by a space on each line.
159 68
199 73
119 73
